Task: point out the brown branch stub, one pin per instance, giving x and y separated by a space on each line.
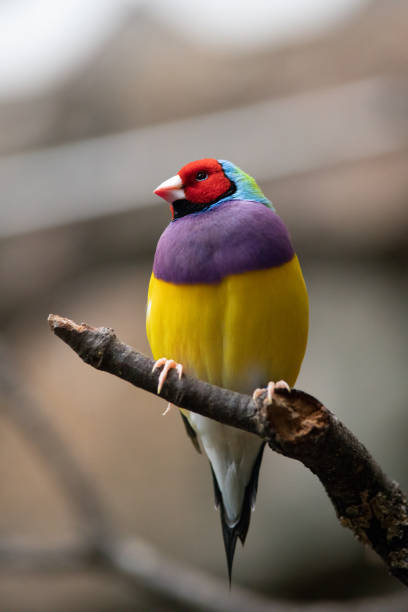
296 417
89 342
295 424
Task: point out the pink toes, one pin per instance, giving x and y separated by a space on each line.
167 409
168 365
281 384
270 390
257 393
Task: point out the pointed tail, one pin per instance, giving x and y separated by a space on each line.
240 529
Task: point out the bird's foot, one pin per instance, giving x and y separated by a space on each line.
167 364
270 390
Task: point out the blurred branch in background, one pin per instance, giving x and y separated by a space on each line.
283 137
320 119
26 415
138 563
98 546
295 425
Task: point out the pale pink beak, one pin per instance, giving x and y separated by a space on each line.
171 190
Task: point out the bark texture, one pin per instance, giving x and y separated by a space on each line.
295 424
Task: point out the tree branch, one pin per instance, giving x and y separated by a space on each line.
98 545
295 424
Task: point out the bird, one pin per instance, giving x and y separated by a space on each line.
227 303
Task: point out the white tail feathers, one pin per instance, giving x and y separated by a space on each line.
232 454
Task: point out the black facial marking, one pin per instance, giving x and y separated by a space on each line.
185 207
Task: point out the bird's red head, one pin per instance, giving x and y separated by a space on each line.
197 185
204 181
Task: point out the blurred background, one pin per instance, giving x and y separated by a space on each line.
100 101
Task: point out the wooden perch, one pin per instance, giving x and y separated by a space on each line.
295 424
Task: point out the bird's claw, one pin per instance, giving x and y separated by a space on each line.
167 364
168 408
270 390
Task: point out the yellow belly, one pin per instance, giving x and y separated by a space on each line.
240 333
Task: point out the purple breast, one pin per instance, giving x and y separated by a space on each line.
237 236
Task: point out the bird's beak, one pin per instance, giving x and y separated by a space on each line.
171 190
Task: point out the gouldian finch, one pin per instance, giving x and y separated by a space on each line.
227 303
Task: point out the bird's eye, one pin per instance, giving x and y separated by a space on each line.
201 175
